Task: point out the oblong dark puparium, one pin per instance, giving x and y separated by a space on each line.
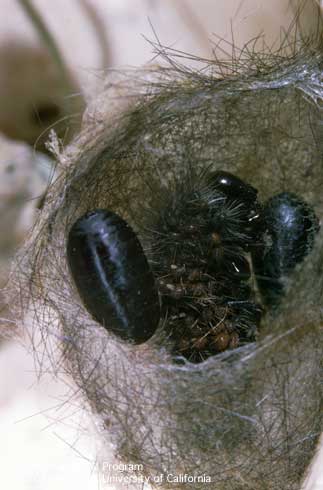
233 187
291 225
244 196
112 275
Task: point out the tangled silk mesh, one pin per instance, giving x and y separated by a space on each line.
249 418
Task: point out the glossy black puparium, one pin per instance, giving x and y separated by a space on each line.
290 229
112 275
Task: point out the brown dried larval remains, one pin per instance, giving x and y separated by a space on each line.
201 261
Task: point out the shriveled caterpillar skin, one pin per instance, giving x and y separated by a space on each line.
249 418
199 248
